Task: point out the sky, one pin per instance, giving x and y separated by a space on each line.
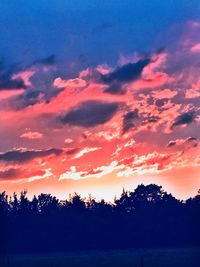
97 96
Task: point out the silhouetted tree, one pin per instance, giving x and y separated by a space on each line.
148 216
47 203
77 203
4 205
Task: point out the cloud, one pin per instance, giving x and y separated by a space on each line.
14 174
68 141
24 76
72 151
90 113
194 91
128 120
164 94
190 139
195 48
187 142
184 118
73 174
115 88
20 156
34 79
47 61
15 77
98 172
126 73
9 83
19 85
85 151
32 135
171 143
9 174
18 77
28 98
5 94
149 163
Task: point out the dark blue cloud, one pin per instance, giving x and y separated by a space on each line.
126 73
20 156
7 83
47 61
184 118
90 113
6 80
115 88
123 74
129 120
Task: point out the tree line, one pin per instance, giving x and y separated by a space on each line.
146 217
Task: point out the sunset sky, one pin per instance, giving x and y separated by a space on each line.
99 95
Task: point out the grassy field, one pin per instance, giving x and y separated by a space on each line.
183 257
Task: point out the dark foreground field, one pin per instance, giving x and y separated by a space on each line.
182 257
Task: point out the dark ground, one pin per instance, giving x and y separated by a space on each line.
176 257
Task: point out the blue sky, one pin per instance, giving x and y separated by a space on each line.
87 32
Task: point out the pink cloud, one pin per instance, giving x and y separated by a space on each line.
165 93
24 76
195 48
194 91
4 94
